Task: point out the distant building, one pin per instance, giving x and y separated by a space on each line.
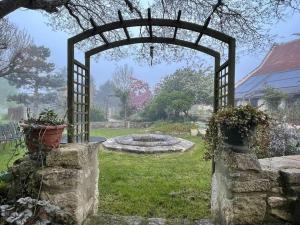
280 70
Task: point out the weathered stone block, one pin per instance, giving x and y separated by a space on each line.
279 163
275 202
72 155
282 214
258 185
60 178
76 202
277 190
248 209
246 175
241 161
214 195
272 176
291 176
220 204
226 212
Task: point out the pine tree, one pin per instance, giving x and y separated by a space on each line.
38 82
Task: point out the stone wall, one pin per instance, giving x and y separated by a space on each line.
248 191
120 124
69 179
283 197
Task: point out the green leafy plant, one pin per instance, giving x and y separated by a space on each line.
273 97
242 118
27 211
46 117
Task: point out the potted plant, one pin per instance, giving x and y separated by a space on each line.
235 125
43 133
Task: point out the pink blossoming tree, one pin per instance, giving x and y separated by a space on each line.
140 94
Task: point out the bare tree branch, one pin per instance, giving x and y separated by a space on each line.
12 44
247 21
73 15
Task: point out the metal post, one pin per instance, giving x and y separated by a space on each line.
70 91
216 84
231 71
216 99
87 98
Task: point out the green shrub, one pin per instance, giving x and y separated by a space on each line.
260 142
169 105
97 115
273 97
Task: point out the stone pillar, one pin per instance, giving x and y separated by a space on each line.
69 179
238 189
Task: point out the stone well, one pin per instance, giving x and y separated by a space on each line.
148 144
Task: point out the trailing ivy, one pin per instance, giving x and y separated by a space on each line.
242 118
46 117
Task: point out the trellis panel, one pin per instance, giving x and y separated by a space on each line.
222 86
80 102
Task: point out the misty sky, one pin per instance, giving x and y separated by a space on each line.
36 25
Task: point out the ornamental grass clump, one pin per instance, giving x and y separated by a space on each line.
233 125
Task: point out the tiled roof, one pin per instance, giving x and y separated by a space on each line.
286 81
280 69
281 58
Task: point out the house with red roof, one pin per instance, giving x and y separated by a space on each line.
280 70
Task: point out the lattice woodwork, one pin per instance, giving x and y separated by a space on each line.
81 105
222 76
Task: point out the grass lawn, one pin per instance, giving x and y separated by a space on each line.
8 154
173 185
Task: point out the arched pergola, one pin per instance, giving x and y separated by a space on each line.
79 73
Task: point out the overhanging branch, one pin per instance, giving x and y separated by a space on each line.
50 6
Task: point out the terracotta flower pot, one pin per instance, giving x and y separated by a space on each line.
42 137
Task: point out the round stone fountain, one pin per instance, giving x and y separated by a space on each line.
148 143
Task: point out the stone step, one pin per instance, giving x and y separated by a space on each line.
106 219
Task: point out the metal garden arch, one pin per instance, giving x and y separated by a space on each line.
79 73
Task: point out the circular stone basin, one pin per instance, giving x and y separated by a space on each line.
148 143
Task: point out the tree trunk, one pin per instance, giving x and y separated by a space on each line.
35 102
186 113
125 111
50 6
